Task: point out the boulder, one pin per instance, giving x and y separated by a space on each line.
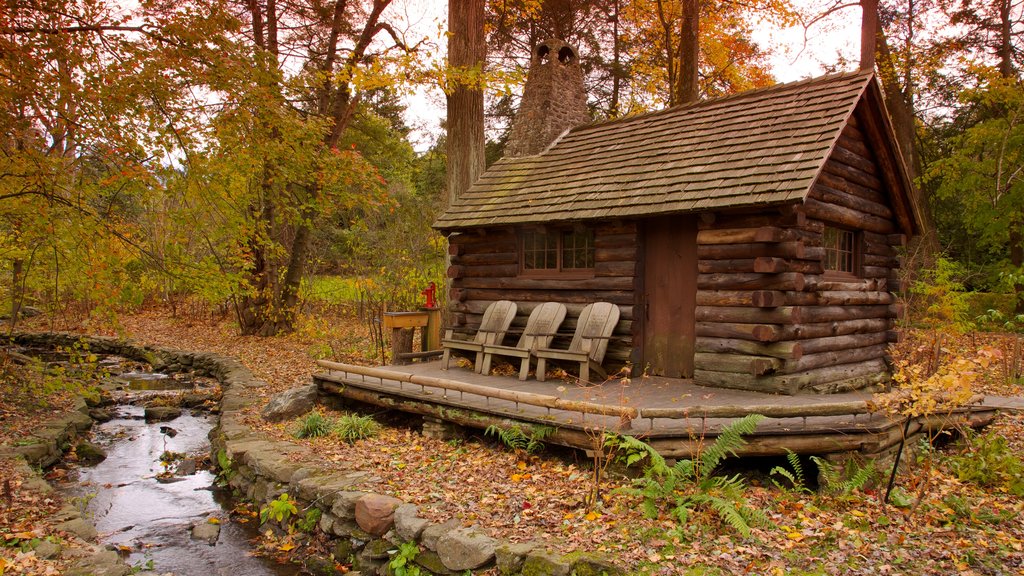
376 513
593 564
46 549
161 413
89 454
206 532
465 549
511 556
408 525
540 562
290 403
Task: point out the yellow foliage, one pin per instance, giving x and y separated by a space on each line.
950 386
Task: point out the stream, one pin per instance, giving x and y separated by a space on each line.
153 487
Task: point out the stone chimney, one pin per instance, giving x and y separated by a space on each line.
554 99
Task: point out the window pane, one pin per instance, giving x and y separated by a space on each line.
540 251
840 250
577 250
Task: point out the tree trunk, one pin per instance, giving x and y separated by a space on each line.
868 33
613 107
17 290
1017 259
1005 39
689 52
466 50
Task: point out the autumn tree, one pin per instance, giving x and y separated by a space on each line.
465 92
85 104
291 125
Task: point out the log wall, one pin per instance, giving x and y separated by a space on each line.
485 267
769 317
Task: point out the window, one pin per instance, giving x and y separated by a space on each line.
557 252
841 250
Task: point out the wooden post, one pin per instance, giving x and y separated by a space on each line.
432 333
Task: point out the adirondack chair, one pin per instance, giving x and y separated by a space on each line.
497 318
589 342
541 327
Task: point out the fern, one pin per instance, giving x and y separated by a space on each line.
726 509
794 475
689 483
515 437
728 441
854 477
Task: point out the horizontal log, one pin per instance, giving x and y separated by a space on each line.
738 363
789 215
876 250
744 235
853 140
777 333
488 271
853 297
784 281
771 265
795 249
897 239
611 241
558 284
482 243
844 342
758 298
853 175
617 254
745 315
766 384
830 375
476 259
821 283
847 408
835 182
876 271
813 314
783 350
524 307
622 299
611 269
847 200
852 156
834 358
752 332
848 217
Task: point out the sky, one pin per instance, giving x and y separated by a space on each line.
828 42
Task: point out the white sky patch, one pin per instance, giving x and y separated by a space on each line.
829 42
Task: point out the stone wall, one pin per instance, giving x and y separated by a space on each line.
366 528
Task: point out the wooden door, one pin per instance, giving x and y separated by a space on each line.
670 295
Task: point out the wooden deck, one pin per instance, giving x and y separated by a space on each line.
672 415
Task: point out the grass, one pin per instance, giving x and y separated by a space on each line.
333 290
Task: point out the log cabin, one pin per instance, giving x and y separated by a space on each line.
750 241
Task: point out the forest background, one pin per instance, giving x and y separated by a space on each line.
251 158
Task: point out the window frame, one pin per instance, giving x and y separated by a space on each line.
855 253
558 234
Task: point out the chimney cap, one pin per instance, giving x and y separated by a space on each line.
564 52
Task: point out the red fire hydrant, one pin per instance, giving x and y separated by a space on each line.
431 294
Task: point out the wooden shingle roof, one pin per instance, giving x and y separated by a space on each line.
760 147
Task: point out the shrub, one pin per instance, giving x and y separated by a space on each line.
313 425
352 427
988 461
